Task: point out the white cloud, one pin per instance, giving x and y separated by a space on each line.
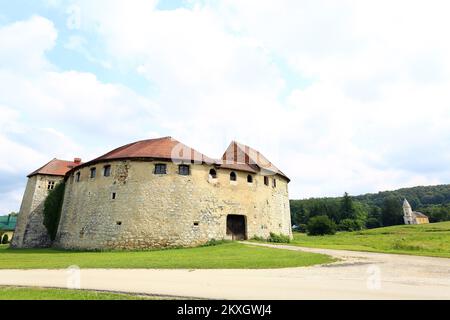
372 113
46 113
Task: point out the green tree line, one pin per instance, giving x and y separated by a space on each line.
374 210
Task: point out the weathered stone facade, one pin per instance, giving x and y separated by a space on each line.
135 208
157 193
30 231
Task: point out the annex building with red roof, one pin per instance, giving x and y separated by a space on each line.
157 193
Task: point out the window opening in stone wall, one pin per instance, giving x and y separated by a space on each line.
183 170
233 176
93 172
160 168
51 185
107 171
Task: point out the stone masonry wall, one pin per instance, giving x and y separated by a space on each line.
151 211
30 231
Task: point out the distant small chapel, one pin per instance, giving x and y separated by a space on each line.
413 217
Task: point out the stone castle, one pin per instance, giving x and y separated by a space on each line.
157 193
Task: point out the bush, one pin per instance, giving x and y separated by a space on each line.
275 238
350 225
321 225
278 238
214 242
373 223
52 209
5 239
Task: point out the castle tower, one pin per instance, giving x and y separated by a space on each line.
30 231
407 213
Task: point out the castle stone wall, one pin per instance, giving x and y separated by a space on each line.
152 211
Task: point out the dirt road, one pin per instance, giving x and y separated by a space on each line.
359 275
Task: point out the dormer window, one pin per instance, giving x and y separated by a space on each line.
160 168
233 176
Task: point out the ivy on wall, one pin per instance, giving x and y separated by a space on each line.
52 209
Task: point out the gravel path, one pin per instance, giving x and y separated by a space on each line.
358 275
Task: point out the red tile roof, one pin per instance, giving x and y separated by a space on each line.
241 157
237 156
165 148
57 167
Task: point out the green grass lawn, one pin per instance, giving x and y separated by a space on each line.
230 255
21 293
426 240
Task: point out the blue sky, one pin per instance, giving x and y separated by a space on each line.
336 99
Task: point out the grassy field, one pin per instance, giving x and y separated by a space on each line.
21 293
426 240
231 255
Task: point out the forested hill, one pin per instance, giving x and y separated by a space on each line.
418 197
376 209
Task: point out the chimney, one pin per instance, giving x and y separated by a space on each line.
77 160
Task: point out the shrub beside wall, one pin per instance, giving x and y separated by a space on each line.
52 209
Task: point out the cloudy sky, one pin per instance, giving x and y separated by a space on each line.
341 95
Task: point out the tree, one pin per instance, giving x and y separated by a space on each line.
321 225
350 225
392 212
347 208
373 223
375 219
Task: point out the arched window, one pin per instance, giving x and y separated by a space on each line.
213 174
233 176
250 178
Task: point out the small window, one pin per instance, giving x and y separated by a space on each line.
77 176
266 181
250 178
196 223
183 170
233 176
119 223
274 183
107 171
51 185
213 174
93 172
113 196
160 169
